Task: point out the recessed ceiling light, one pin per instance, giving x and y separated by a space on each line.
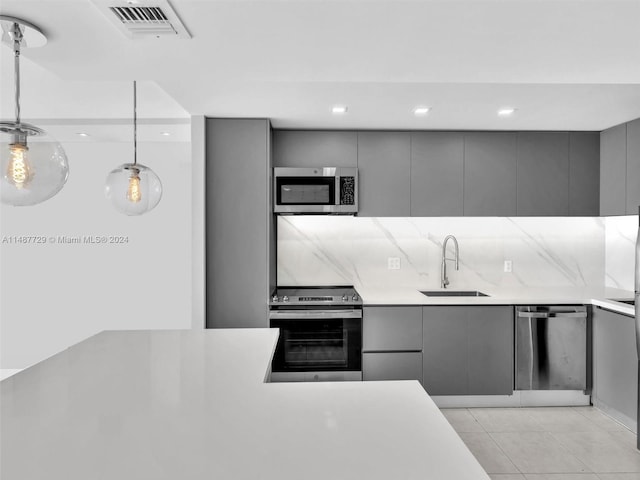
506 111
421 111
339 109
82 134
165 134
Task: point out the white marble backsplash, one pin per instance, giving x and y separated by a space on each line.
549 251
620 240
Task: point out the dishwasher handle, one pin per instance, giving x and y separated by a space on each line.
552 314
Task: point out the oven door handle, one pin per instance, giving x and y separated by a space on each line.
313 314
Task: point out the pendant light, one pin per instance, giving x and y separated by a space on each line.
132 188
34 165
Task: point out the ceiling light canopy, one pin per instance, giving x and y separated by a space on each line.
34 165
339 109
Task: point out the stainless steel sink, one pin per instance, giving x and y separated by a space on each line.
453 293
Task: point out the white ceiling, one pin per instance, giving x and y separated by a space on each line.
565 65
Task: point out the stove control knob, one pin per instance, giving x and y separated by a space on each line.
345 298
285 299
355 297
274 299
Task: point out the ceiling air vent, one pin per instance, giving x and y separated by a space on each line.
143 18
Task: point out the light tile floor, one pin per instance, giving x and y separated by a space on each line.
547 443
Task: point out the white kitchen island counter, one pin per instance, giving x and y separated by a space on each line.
185 405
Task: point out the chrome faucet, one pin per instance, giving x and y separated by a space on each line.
444 281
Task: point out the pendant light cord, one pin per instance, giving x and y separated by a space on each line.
135 124
17 40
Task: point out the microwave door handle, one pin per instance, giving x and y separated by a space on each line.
314 314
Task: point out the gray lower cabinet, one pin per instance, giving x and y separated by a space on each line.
384 173
468 350
543 173
392 343
490 174
613 170
392 366
633 167
584 174
240 247
437 165
615 385
308 148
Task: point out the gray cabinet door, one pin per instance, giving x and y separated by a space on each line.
391 328
615 363
392 366
468 350
633 167
613 170
444 356
437 160
584 174
490 350
311 148
490 174
543 173
384 174
237 222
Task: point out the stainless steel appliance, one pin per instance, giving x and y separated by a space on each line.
327 190
551 347
637 312
320 334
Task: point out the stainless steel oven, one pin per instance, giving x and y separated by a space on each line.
320 334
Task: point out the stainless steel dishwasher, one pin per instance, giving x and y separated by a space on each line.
551 347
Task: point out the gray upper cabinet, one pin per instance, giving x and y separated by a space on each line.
584 174
613 170
306 148
490 174
543 173
238 222
434 174
633 167
384 171
437 164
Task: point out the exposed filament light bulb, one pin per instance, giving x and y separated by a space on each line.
19 172
134 193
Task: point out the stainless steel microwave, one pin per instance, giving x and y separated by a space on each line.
319 190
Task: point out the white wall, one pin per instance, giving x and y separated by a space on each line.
545 251
54 295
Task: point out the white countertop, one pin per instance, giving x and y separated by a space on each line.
193 405
503 296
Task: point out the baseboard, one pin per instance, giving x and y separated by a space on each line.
520 398
619 417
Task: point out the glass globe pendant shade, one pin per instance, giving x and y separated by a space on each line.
133 189
34 165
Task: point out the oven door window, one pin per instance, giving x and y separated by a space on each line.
305 191
312 345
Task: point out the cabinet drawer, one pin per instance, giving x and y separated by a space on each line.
392 366
392 329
